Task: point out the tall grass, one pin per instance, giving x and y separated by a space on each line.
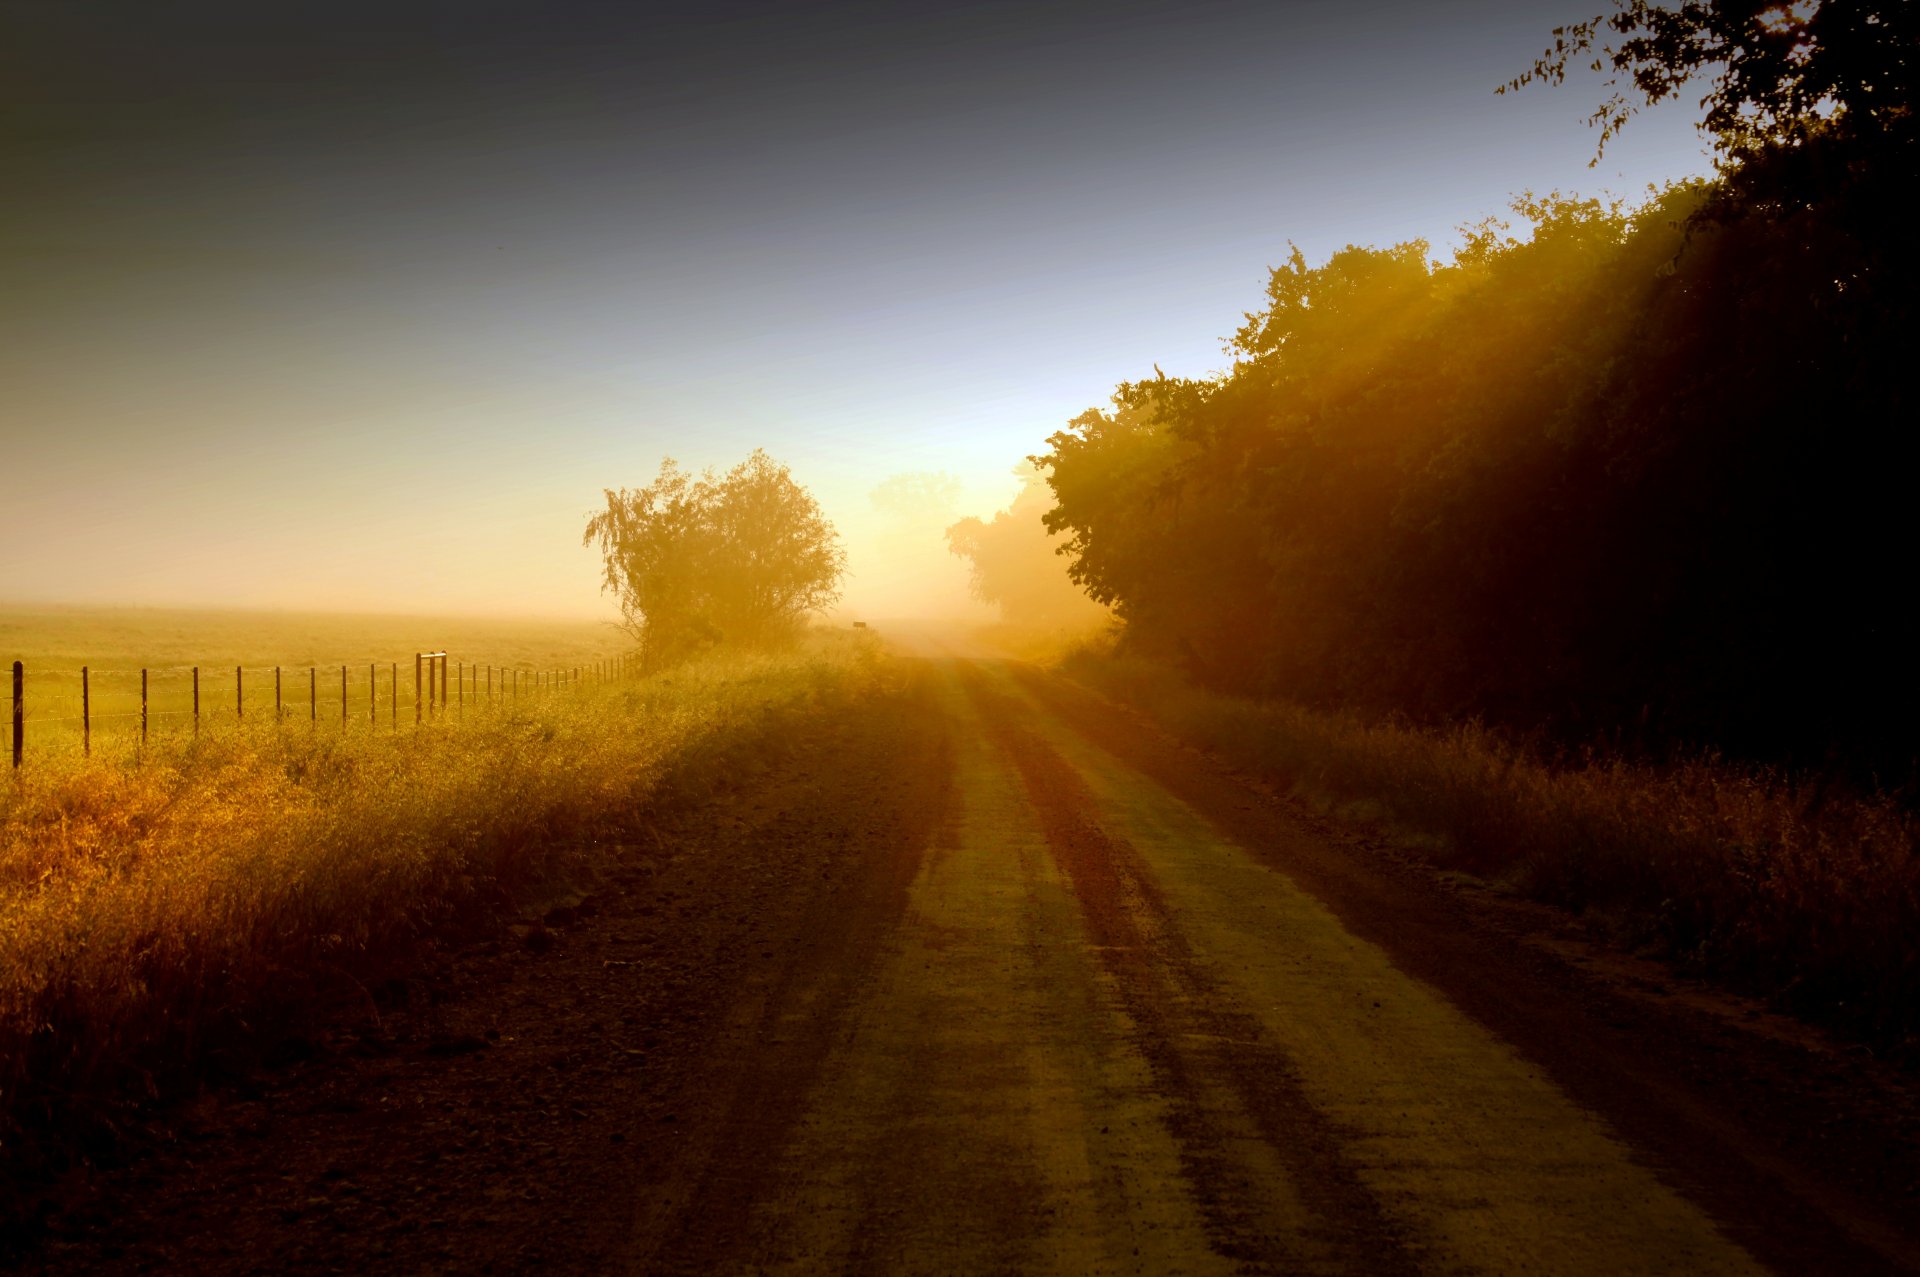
167 911
1794 891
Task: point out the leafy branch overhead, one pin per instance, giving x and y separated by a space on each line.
1776 72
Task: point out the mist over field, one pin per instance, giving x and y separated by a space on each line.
1094 638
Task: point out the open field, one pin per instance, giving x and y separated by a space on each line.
116 644
174 911
121 638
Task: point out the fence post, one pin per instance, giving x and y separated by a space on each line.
86 712
19 712
239 694
143 705
373 694
417 711
443 684
393 687
313 693
343 698
196 700
276 694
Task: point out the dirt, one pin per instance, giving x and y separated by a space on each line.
998 978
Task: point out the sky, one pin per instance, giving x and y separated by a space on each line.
361 306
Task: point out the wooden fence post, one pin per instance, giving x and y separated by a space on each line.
86 712
343 698
313 694
276 694
143 705
196 700
393 690
373 694
239 694
19 712
417 711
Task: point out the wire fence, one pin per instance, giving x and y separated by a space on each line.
56 703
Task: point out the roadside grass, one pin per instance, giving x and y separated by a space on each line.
172 914
1796 892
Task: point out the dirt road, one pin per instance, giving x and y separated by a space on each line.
1015 984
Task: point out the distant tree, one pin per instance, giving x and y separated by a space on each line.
702 559
1016 565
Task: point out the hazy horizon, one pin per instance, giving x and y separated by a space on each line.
359 309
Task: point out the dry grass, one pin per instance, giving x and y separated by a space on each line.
1809 897
164 914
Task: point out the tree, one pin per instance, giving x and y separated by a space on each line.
1780 72
1016 565
702 559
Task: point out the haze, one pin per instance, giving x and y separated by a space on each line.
343 307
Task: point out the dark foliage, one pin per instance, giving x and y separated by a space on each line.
1638 475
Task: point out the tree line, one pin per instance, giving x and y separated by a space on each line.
1606 471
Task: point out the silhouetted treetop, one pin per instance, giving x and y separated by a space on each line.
1776 72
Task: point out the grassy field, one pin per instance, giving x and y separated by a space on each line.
1801 892
181 904
310 650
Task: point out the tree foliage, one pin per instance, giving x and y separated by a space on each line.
701 559
1778 73
1016 566
1616 474
1606 471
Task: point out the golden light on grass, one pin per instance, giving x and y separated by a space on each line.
157 906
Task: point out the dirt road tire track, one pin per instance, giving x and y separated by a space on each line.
994 977
1184 1022
1807 1181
